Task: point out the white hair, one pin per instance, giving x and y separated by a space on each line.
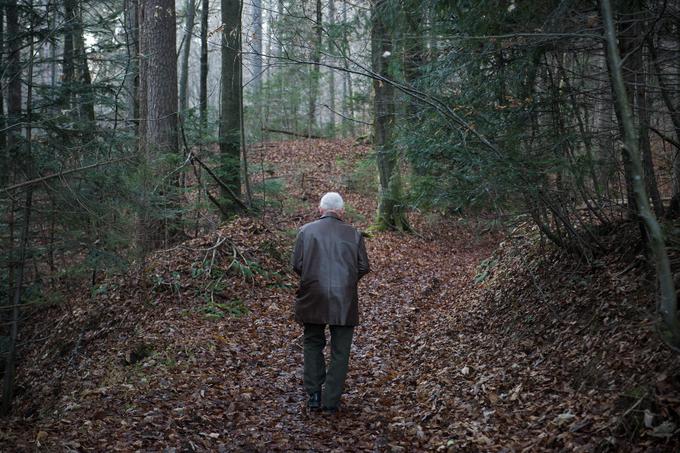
332 201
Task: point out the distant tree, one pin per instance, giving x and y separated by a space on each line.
203 82
256 11
347 91
190 13
315 70
82 70
13 74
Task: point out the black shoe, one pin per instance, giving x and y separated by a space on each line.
314 402
329 410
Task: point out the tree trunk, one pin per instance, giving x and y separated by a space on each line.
8 377
257 46
645 145
230 120
347 94
279 19
86 92
606 154
68 59
3 121
132 76
627 46
668 302
13 80
12 155
413 51
77 96
190 10
158 110
266 96
390 204
331 73
203 88
202 98
158 38
314 72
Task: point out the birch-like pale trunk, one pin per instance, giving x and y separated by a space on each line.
190 11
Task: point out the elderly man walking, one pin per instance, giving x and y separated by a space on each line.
330 258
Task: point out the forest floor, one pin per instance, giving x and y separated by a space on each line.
465 343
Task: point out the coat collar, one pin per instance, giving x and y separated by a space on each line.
331 214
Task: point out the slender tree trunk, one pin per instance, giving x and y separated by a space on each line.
8 377
14 79
84 78
331 73
279 18
77 95
257 45
413 50
202 99
347 95
203 88
604 124
52 10
668 302
68 59
190 10
390 204
143 65
279 53
314 72
245 176
256 82
230 120
13 138
645 145
3 119
268 25
631 45
132 76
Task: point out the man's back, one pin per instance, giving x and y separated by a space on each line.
330 257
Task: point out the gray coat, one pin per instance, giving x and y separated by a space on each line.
330 258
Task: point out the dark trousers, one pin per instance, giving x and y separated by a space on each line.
316 374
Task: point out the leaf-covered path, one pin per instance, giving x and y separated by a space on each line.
161 359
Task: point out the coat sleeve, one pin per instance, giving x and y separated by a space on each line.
364 267
298 252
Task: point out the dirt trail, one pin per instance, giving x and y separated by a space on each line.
413 282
